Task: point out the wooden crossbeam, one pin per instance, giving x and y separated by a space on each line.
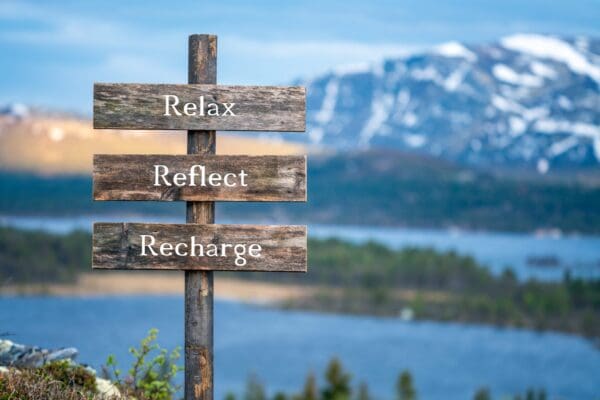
199 247
194 106
199 178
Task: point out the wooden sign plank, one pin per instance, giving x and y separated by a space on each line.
199 178
199 107
199 247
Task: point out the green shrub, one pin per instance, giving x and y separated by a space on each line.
70 375
152 373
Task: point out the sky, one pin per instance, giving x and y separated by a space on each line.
54 50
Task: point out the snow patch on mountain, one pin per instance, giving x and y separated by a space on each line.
325 114
543 70
507 74
455 49
380 110
552 48
517 126
592 132
414 140
455 79
509 106
578 128
561 147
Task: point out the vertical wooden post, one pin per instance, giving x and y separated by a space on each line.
202 68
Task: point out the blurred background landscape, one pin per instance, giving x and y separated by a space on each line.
453 191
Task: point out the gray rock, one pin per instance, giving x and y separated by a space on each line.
22 356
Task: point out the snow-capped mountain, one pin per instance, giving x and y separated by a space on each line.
526 100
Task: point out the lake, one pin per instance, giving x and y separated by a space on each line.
497 250
448 361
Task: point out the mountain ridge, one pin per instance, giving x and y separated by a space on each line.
526 100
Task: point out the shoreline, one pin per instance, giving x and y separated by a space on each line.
260 293
160 283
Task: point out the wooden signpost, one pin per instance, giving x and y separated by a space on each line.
199 178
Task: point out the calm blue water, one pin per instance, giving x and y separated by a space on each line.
448 361
579 254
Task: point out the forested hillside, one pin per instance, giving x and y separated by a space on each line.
368 188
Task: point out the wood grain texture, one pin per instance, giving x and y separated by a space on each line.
132 177
142 106
118 246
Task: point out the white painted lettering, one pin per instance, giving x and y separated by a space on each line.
189 109
254 250
213 109
166 249
158 175
226 180
193 248
228 109
177 249
179 179
144 245
215 179
167 105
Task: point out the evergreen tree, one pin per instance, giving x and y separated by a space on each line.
363 392
254 389
482 394
310 391
405 387
280 396
530 395
230 396
338 382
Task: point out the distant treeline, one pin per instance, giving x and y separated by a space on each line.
428 284
30 194
367 188
365 279
40 257
337 385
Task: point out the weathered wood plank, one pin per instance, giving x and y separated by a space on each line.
256 178
143 106
122 245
